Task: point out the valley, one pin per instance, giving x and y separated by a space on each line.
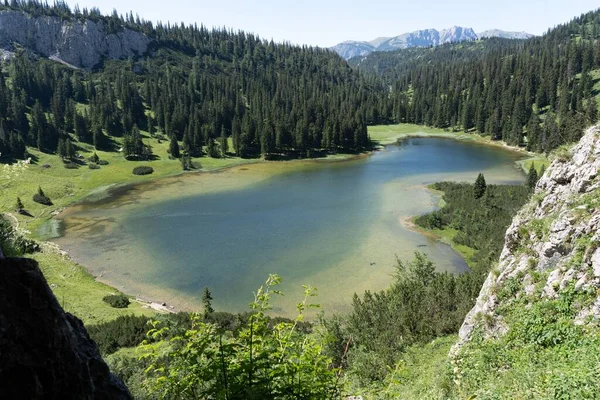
204 213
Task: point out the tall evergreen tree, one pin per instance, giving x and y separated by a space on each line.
480 186
532 177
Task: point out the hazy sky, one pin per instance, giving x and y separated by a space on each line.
328 22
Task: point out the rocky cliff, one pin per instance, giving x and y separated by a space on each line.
77 43
46 353
552 248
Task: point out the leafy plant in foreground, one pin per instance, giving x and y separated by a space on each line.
259 362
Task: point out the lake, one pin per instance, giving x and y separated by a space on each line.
338 226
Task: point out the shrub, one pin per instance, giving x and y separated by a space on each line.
143 170
102 162
71 165
94 158
125 331
93 166
19 207
116 300
41 198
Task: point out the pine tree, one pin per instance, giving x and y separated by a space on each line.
61 149
224 144
19 207
174 147
532 177
98 137
207 302
211 149
480 186
69 149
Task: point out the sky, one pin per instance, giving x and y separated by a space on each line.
328 22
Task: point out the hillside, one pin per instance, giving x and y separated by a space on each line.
188 84
535 322
538 93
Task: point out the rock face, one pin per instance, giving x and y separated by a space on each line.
421 38
45 352
77 43
555 237
351 49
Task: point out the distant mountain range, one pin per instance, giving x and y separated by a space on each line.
422 38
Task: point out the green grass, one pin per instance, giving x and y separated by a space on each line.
447 235
387 134
539 161
79 293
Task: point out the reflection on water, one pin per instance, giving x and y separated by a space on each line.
336 226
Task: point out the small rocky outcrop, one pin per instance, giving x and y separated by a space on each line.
46 353
75 42
553 242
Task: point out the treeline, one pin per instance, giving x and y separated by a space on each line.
538 93
199 86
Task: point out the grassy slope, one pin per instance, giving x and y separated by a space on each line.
423 373
79 293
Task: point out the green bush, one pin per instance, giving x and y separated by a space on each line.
102 162
71 165
143 170
41 198
116 300
125 331
93 166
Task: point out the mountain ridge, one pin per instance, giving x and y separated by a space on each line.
420 38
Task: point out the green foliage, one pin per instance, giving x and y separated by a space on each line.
532 177
421 373
143 170
94 158
479 187
174 147
125 331
116 300
481 223
19 207
420 305
186 162
207 302
543 355
12 243
41 198
258 363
